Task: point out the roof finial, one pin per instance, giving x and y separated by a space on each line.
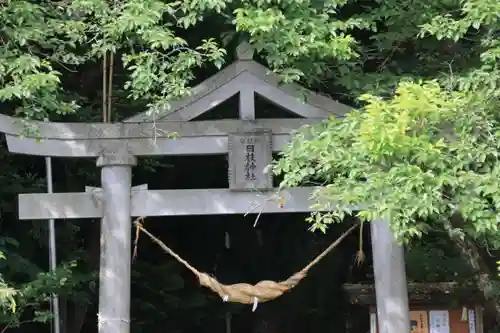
244 51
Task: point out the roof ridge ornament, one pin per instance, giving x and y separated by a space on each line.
245 51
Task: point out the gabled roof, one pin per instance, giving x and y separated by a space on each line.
420 293
247 78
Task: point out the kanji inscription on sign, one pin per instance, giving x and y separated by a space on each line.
249 155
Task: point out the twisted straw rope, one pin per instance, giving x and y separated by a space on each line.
244 293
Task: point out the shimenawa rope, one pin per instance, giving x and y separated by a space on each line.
244 293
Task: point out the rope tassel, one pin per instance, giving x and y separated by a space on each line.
245 293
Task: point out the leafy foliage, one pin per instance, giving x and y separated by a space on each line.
7 294
422 148
364 48
34 295
294 33
441 262
43 40
426 153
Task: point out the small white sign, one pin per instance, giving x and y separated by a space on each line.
439 322
472 321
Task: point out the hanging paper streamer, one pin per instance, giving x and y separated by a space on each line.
464 314
419 322
472 321
373 322
440 321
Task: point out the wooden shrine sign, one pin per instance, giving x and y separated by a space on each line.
419 322
249 155
430 310
440 320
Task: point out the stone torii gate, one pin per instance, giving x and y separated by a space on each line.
249 142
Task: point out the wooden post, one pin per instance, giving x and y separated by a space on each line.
116 243
390 280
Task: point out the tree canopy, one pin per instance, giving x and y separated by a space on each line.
341 47
425 154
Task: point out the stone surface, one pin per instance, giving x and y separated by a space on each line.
247 75
42 206
116 250
116 131
390 280
117 155
194 138
247 104
245 51
220 202
139 147
250 153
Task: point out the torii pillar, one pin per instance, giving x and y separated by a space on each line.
116 226
393 314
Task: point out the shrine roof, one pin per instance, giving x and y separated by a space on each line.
246 77
419 293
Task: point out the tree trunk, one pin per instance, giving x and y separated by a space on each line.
482 274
